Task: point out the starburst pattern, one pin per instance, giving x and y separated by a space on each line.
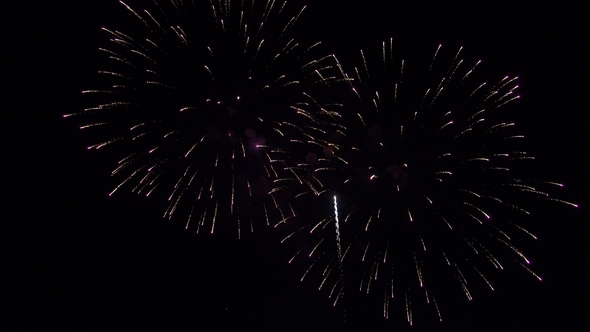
432 179
403 180
196 96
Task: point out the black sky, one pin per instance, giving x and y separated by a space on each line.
76 259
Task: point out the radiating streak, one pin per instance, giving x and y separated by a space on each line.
447 223
426 295
214 217
423 244
531 271
174 206
315 248
332 293
493 260
94 125
446 258
501 232
418 271
526 231
509 205
553 183
372 276
474 159
368 222
376 264
562 201
408 310
516 250
103 144
469 72
437 309
135 13
326 274
434 57
308 269
473 217
365 64
265 213
478 209
124 181
385 306
445 125
471 245
317 225
470 192
365 253
463 282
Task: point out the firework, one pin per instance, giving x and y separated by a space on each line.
195 98
432 180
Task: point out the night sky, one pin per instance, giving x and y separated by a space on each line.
76 259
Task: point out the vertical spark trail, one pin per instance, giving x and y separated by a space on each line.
339 247
337 229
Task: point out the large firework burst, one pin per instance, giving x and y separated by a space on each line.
194 97
432 179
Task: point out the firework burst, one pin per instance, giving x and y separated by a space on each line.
196 97
432 180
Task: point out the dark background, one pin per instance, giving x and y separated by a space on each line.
76 259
